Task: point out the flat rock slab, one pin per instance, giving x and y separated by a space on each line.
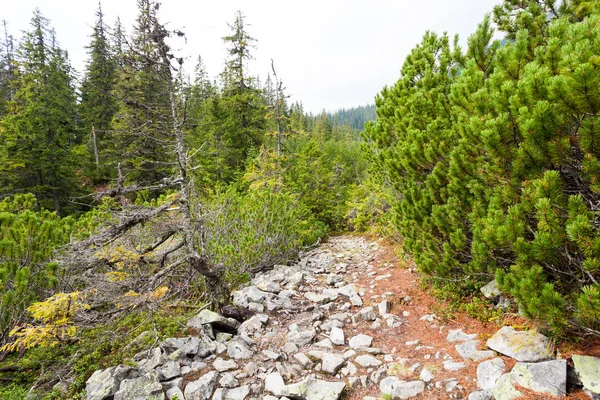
301 338
314 389
406 390
367 361
588 370
457 335
547 377
360 340
219 322
470 350
331 363
524 346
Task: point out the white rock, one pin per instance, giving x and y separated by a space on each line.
488 373
336 335
331 363
360 341
274 384
366 360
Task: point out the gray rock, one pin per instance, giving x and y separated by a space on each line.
314 389
470 350
175 393
103 384
301 338
274 384
303 360
224 365
481 395
177 382
426 375
549 377
488 373
325 343
332 279
252 325
146 387
187 345
217 321
169 370
289 348
386 385
202 388
366 360
384 307
228 380
360 340
336 335
331 363
206 347
406 390
588 371
368 314
266 285
450 365
239 393
157 358
524 346
457 335
238 350
491 290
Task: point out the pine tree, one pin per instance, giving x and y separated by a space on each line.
98 104
493 155
39 134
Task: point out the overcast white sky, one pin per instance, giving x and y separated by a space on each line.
329 53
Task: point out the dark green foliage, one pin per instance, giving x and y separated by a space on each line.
354 117
27 239
141 124
493 154
98 103
39 136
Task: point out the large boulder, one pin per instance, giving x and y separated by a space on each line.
146 387
524 346
588 371
547 377
104 383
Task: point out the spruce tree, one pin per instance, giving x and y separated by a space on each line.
39 135
241 99
98 104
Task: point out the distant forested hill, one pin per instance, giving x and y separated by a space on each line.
355 116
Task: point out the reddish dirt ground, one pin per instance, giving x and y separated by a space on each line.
404 281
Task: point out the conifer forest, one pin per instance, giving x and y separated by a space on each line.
142 189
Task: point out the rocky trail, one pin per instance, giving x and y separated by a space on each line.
345 322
